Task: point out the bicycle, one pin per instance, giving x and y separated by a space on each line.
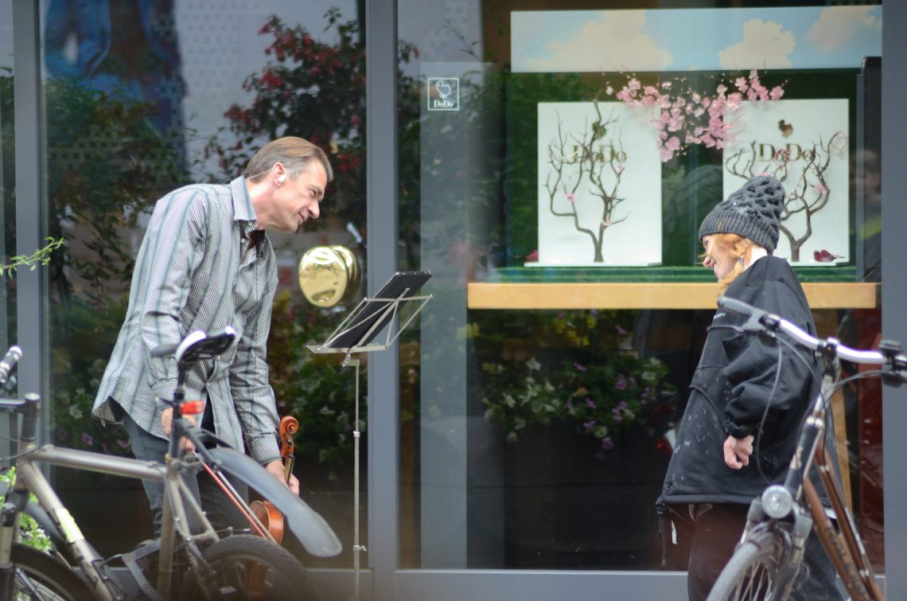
193 561
767 560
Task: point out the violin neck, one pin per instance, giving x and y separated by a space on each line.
288 467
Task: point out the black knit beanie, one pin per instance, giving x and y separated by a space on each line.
753 211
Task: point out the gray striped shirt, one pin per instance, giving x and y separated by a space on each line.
193 273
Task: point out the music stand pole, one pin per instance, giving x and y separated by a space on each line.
362 346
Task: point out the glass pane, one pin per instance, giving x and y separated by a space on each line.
575 153
7 195
143 98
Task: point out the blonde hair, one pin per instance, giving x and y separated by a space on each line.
740 249
294 153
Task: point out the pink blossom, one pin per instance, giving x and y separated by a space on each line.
666 155
673 143
650 91
733 100
776 93
721 89
619 168
698 111
606 222
570 196
706 102
740 82
754 78
666 85
696 98
609 90
648 100
634 84
820 188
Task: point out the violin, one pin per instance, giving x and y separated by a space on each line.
266 512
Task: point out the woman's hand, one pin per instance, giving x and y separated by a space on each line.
737 451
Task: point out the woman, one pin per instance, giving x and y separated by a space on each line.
731 444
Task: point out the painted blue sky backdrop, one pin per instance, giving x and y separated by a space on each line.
695 39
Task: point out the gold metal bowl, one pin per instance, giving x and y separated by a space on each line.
329 275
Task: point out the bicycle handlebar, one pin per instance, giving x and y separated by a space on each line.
763 322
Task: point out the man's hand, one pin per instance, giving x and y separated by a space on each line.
737 451
275 468
167 425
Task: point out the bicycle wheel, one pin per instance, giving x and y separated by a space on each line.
43 578
752 572
250 567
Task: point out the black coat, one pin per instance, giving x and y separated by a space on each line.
729 392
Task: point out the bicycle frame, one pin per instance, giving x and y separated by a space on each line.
178 505
843 545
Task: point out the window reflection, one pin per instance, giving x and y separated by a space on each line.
516 451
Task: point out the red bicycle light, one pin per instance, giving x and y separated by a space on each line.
192 408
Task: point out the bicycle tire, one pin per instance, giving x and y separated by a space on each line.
41 577
231 560
752 572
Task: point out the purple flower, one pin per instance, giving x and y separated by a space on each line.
579 367
621 384
618 417
589 425
590 403
620 330
123 443
607 443
87 439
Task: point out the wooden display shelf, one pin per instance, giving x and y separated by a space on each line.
649 295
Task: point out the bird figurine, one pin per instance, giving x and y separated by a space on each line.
786 128
823 256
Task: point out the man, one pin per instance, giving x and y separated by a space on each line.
205 264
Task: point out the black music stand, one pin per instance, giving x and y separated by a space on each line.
356 335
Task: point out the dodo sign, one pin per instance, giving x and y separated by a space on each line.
443 93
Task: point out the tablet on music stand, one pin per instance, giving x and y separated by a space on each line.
372 315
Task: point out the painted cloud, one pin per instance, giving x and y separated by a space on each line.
608 44
839 25
765 46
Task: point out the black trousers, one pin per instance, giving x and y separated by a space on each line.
717 532
218 507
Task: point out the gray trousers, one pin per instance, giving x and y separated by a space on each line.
220 510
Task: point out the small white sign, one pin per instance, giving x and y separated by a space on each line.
444 93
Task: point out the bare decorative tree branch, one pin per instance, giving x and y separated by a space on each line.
806 196
588 158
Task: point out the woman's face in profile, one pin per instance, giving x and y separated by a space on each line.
718 258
